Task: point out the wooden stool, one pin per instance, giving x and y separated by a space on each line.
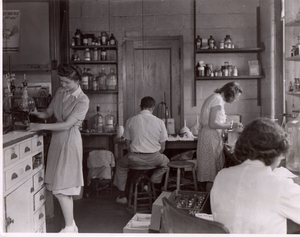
180 165
139 192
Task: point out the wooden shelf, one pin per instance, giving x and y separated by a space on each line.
100 92
94 62
236 50
83 47
295 58
245 77
293 23
293 93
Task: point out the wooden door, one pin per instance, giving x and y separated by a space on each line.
153 68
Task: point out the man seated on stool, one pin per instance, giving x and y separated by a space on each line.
145 137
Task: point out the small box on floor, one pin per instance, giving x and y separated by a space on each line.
156 211
139 223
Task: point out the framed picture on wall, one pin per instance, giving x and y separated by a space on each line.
11 30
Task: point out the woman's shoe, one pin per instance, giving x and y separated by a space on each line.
70 229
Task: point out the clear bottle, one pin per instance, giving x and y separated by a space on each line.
87 55
110 122
95 54
111 81
235 71
90 78
297 84
78 37
101 79
84 80
85 40
293 157
26 103
198 42
291 87
104 38
112 40
103 55
95 84
227 42
98 120
211 42
298 47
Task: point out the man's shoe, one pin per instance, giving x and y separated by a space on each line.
122 200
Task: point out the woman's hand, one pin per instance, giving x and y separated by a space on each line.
34 112
238 127
33 127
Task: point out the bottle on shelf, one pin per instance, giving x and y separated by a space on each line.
87 54
104 38
112 40
95 54
90 78
198 42
98 120
78 37
75 56
26 103
95 84
110 122
202 69
227 42
235 72
85 40
103 55
297 85
298 47
291 87
111 81
211 42
85 80
101 79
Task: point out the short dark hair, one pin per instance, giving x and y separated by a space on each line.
230 90
147 102
70 71
262 140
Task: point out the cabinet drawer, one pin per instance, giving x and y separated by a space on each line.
37 143
25 148
39 198
39 218
38 180
18 173
11 154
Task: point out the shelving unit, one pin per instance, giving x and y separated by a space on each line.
257 50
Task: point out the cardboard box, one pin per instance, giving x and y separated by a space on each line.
139 223
156 211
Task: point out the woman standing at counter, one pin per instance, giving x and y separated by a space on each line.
210 158
64 164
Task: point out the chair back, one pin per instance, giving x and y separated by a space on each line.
175 220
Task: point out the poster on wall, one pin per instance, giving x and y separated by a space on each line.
11 30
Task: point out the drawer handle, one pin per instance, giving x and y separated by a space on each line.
32 189
27 149
41 179
8 221
38 143
14 176
41 216
27 168
13 156
42 197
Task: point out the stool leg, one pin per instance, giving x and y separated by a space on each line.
135 198
194 177
178 179
130 195
150 194
166 180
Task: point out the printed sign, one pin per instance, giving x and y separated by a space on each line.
11 30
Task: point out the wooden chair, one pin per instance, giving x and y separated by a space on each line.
175 220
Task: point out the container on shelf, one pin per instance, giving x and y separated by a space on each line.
103 55
297 84
227 42
98 120
85 40
90 78
104 38
84 80
101 79
111 81
95 54
110 122
211 42
112 40
78 37
87 54
198 42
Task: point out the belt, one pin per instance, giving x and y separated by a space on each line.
143 153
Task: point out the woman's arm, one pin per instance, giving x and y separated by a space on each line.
214 124
66 125
43 115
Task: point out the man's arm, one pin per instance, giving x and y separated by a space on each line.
163 146
128 144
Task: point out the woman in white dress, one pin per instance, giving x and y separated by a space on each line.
210 157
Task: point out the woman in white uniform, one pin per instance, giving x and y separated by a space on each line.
64 175
210 157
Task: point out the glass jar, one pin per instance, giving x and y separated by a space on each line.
103 55
293 157
101 79
211 42
111 81
110 122
95 54
227 42
112 40
98 120
104 38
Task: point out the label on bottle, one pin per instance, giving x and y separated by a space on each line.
110 121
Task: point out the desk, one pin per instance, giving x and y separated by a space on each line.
172 147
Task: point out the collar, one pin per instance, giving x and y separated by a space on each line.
76 93
256 163
145 111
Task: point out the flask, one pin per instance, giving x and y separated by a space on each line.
112 40
110 122
293 157
211 42
103 55
85 80
198 42
78 37
87 55
101 79
104 38
111 81
98 120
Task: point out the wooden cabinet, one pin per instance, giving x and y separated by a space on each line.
23 185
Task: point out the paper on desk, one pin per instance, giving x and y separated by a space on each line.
284 172
205 216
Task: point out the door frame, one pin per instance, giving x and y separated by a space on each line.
147 45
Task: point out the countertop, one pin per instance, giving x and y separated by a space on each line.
16 136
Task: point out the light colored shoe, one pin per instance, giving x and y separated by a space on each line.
70 229
122 200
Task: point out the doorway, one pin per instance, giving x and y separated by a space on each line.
153 67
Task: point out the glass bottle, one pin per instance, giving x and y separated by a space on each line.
95 84
198 42
111 81
112 40
211 42
90 78
291 87
110 122
87 55
101 79
298 47
293 157
84 80
85 40
95 54
98 120
103 55
297 84
78 36
26 103
104 38
227 42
